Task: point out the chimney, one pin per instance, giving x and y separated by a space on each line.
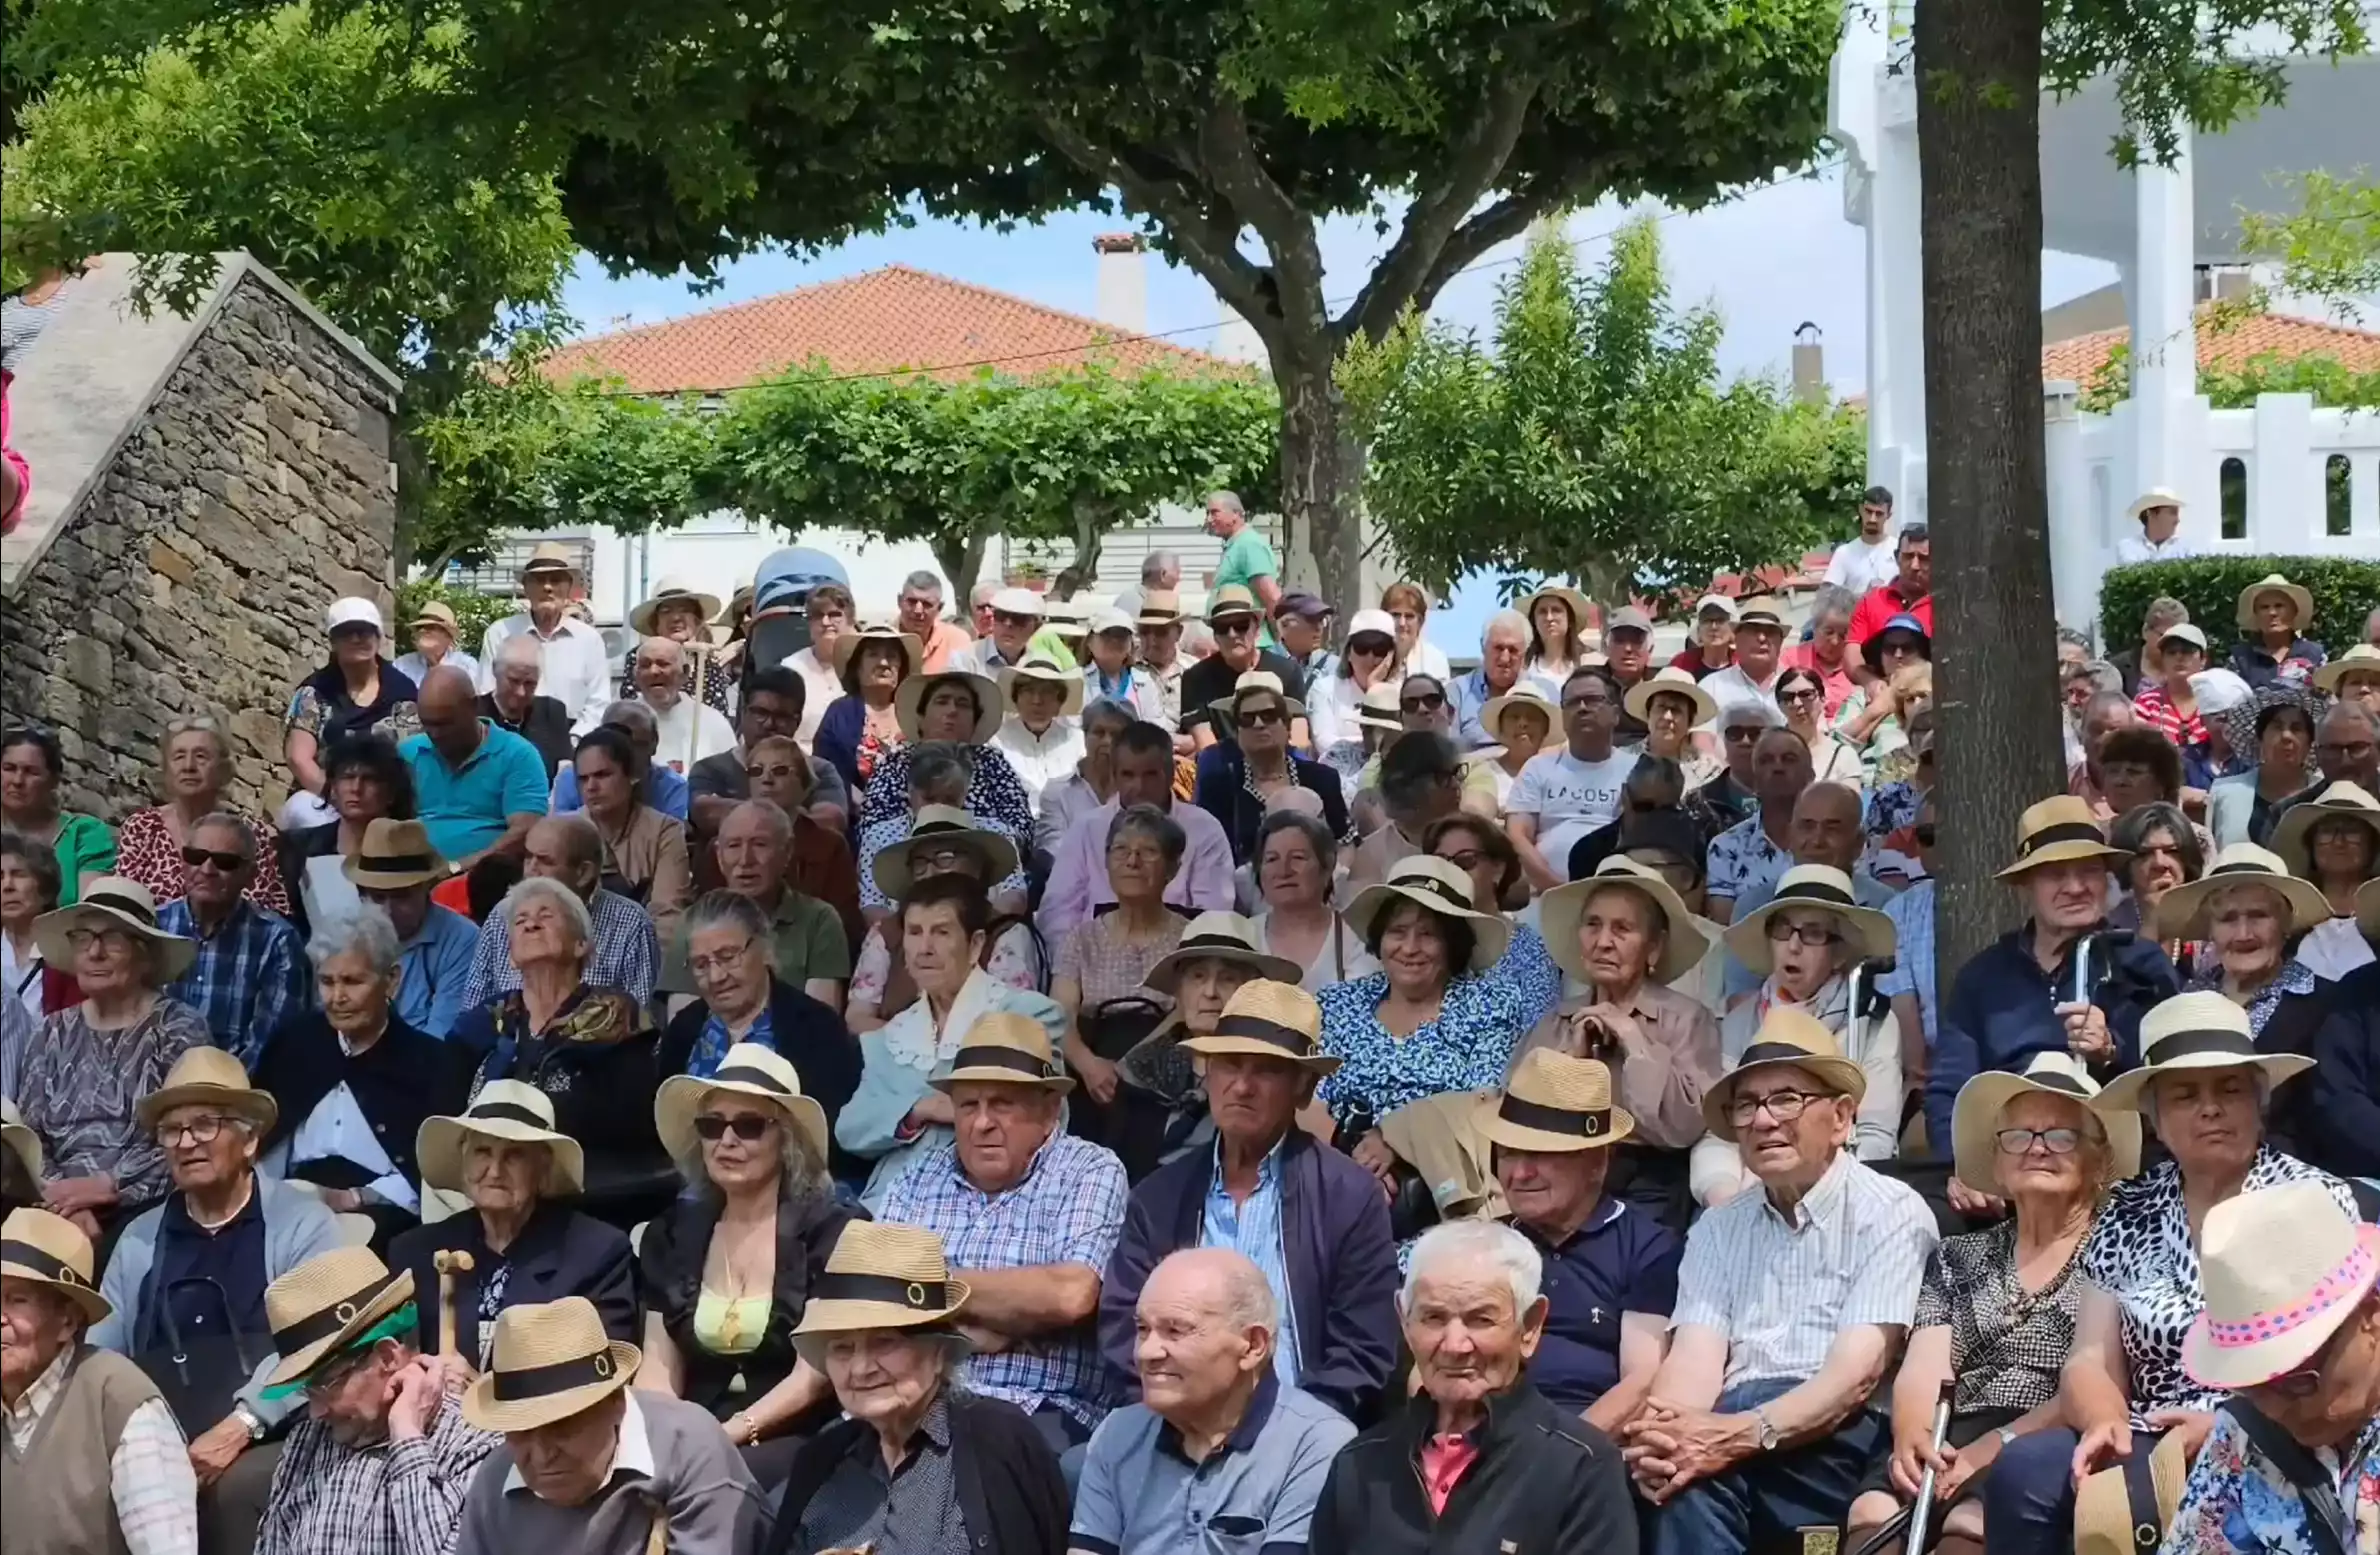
1123 290
1809 364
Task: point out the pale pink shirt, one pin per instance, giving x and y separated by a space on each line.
1078 885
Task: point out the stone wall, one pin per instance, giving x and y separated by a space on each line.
194 579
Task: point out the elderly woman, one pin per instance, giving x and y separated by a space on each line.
198 768
1040 734
973 1472
1297 862
942 841
358 692
1367 658
1557 636
725 1272
958 711
2157 850
369 782
1480 849
31 768
2279 727
1092 782
1801 696
2271 614
1828 653
1108 958
861 728
644 851
1996 1314
29 888
1407 606
1672 705
1520 722
2204 1087
2334 842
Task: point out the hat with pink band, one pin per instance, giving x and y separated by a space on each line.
2282 1268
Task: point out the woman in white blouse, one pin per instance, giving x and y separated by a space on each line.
1367 659
1296 873
1039 735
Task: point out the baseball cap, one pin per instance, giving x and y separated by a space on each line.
351 611
1365 622
1303 605
1714 604
1628 619
1019 602
1111 620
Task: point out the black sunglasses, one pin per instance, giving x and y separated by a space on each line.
1427 702
746 1126
1260 717
226 862
1011 618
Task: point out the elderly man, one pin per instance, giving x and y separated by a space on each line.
1478 1461
1160 573
394 872
921 618
250 973
821 865
755 854
1865 561
1029 1214
433 628
1159 625
1567 791
1825 829
512 702
383 1458
1233 614
1759 648
1218 1440
1016 615
1628 654
1301 624
590 1465
1910 985
626 953
1911 592
1791 1302
2347 749
1749 858
577 666
1313 1220
479 788
829 611
1078 884
773 706
1248 561
2354 676
689 730
663 789
1503 648
979 606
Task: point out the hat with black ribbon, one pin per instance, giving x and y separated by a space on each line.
756 1073
504 1112
881 1275
1269 1018
323 1305
1005 1049
1555 1103
1444 889
51 1250
2202 1030
395 856
2057 831
114 902
549 1360
1789 1037
1221 936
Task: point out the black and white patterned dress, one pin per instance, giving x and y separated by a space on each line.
2006 1346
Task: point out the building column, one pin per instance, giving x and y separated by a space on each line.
2162 296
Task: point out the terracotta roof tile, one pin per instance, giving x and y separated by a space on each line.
2080 358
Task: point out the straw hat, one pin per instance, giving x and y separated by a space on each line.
1554 1102
208 1076
396 855
1445 890
748 1070
2115 1507
550 556
548 1361
1020 602
2293 837
2181 914
1975 1117
1049 672
2154 497
2056 831
1379 709
1761 611
913 652
1788 1036
1675 683
668 592
1066 618
113 902
1249 684
1811 888
2362 659
2197 1031
1560 909
437 613
2282 1268
1220 936
990 706
1159 607
512 1111
940 825
51 1250
2274 583
1230 600
881 1275
1271 1017
18 1138
1580 611
2367 909
325 1303
1527 694
1004 1048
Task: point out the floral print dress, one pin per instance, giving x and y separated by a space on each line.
1467 1048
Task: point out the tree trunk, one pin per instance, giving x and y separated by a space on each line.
1318 491
1978 72
960 562
1091 523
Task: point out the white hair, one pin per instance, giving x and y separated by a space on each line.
574 912
1229 501
523 649
1504 621
1474 1245
366 931
1736 714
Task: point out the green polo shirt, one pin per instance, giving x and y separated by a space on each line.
809 941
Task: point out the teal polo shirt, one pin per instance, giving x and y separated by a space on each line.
464 808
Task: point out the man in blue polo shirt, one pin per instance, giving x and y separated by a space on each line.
480 788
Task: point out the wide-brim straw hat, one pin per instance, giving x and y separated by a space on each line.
1788 1037
1067 618
2154 497
1761 610
1559 910
2145 1491
1049 672
1271 1017
396 856
1975 1119
2282 1268
1581 613
2056 831
2180 915
942 825
1812 888
671 591
17 1138
990 706
1527 694
1444 889
550 556
1159 608
1004 1048
1220 936
913 652
209 1077
510 1111
2274 583
113 902
548 1361
748 1070
2293 838
1230 600
51 1250
1256 683
2362 659
1380 709
2201 1030
1671 682
881 1275
326 1303
1555 1103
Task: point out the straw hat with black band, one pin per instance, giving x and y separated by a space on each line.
1230 600
510 1112
1041 669
1975 1117
51 1251
19 1140
1444 889
1555 1104
1761 611
1005 1049
1257 683
1380 709
2293 836
1220 936
2362 659
2273 583
113 902
938 827
550 556
1559 911
2182 914
1671 682
208 1077
2058 831
324 1305
2126 1510
1159 608
437 613
548 1361
1527 695
910 700
913 652
1269 1018
1812 888
671 591
748 1070
395 856
2197 1031
1788 1038
881 1275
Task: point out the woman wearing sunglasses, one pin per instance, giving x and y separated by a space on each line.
1368 658
1801 697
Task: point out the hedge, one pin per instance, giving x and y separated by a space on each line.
2345 593
473 611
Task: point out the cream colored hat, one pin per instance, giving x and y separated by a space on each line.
2293 837
1559 911
1554 1102
913 652
939 826
671 591
1220 936
51 1250
1049 672
1251 683
1528 694
748 1070
325 1303
1230 600
1005 1049
990 706
2184 632
1788 1036
113 902
435 612
1975 1117
1067 618
1160 607
1811 888
1760 610
2201 1030
1020 602
19 1139
1676 683
1380 709
549 1360
208 1076
1271 1017
2154 497
2282 1268
1580 611
881 1275
2274 583
395 856
550 556
2362 659
512 1111
2056 831
2183 912
1444 889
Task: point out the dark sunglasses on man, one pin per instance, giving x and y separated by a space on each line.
227 862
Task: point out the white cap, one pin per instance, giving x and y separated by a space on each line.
1371 621
2220 690
1111 620
1714 602
352 611
1020 602
2183 631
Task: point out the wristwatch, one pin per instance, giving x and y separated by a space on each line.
1767 1439
248 1418
2007 1438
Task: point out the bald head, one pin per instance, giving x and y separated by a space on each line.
448 704
1215 1280
567 848
1826 826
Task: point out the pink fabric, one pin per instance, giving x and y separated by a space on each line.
1078 871
16 461
1837 681
1444 1461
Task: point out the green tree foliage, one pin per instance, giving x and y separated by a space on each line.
2330 245
2333 384
1595 440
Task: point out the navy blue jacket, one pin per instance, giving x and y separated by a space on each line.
560 1252
2342 1114
1342 1266
1222 792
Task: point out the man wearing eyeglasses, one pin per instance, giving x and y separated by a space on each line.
1016 615
1565 793
1233 616
250 973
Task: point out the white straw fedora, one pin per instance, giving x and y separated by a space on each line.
1671 682
913 651
1560 909
2183 912
1553 1103
323 1304
2274 583
936 828
2056 831
1444 889
1975 1117
208 1076
1527 694
671 591
990 706
2154 497
748 1070
2282 1267
2292 837
881 1275
548 1361
1005 1049
51 1250
2362 659
511 1111
1040 667
1378 709
1811 888
2201 1030
1271 1017
1220 936
113 902
1788 1036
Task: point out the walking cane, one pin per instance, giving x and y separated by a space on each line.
702 675
448 1265
1923 1506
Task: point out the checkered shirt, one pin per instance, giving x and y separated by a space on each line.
250 975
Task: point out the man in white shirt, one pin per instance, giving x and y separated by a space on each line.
1759 644
1865 561
2158 514
1565 793
690 732
577 665
829 610
1016 615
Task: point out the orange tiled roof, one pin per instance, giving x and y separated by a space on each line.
880 321
2232 345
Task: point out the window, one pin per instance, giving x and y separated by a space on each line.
2235 498
2337 499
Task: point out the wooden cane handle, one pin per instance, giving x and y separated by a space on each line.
448 1265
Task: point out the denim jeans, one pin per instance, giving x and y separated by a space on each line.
2028 1498
1767 1497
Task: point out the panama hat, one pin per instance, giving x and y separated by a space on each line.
1560 909
671 591
2274 583
1249 684
1049 672
1067 618
208 1076
2342 800
2154 497
395 856
548 1361
1220 936
324 1304
509 1110
113 902
1787 1037
550 556
1676 683
1159 608
1232 599
2201 1030
1020 602
1444 889
2367 909
1975 1117
1761 610
1580 611
52 1250
2126 1509
990 707
437 613
1380 709
1811 888
1528 694
2056 831
1271 1017
940 826
1554 1102
913 652
2180 915
748 1070
881 1275
18 1138
2362 659
2282 1268
1004 1048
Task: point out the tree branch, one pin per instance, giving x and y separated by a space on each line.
1233 166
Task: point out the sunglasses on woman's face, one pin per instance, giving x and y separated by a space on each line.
748 1126
1802 694
1260 717
227 862
1427 702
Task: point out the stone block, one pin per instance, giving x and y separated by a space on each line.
165 559
88 663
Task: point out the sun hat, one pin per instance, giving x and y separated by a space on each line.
1975 1116
2154 497
1232 599
435 612
2183 632
1064 617
1559 910
1714 604
2058 830
2282 1268
119 904
208 1076
2362 659
941 825
1872 650
990 707
395 856
748 1070
1160 607
1787 1037
52 1250
671 591
1674 683
1555 1103
2126 1509
913 652
549 1360
1580 611
1811 888
1760 611
2202 1030
1220 936
2220 690
1271 1017
1444 889
550 556
1372 621
1251 682
2273 583
1049 672
512 1111
17 1138
1528 694
881 1275
1380 709
1004 1048
1628 619
354 610
320 1307
2180 914
1020 602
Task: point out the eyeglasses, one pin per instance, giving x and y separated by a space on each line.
227 862
747 1126
330 1380
105 939
1805 694
1744 734
725 962
1427 702
1236 626
1585 704
1011 618
775 772
2306 1381
1466 861
1784 1106
2057 1141
942 861
1370 647
1813 935
202 1130
1260 717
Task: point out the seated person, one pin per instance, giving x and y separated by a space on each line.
1239 777
2343 1115
942 840
1080 888
623 951
953 712
394 873
661 786
20 1151
250 972
754 850
1479 848
822 867
644 851
1217 956
1040 726
772 706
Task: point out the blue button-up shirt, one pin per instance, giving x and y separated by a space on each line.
436 964
1621 1260
1912 915
249 977
665 791
1468 696
1254 1229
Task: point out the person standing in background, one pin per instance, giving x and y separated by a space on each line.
577 664
1865 561
1248 558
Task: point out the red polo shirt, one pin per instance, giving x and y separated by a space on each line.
1882 604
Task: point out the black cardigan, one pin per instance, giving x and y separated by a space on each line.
397 1082
809 1036
1011 1493
2292 1126
560 1252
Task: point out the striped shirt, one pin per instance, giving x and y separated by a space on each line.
1781 1292
2155 709
1254 1230
149 1477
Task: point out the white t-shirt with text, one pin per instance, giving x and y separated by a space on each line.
1569 797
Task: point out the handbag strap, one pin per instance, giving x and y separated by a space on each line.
2317 1492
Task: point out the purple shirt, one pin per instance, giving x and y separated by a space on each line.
1078 885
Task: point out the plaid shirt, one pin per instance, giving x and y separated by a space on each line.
249 977
627 953
1067 1209
391 1498
149 1475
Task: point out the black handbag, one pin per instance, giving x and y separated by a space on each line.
198 1377
1134 1124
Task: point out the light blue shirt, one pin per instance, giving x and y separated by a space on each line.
435 967
413 667
665 791
1912 915
1468 696
464 809
1254 1230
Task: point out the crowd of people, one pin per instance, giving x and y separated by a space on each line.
1124 1082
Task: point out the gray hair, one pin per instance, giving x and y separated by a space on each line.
732 910
773 816
1310 827
1504 620
521 648
1157 566
1736 714
1148 821
1246 1295
38 859
2069 637
1229 500
365 931
2104 677
585 842
982 593
1831 600
923 581
2371 627
1103 711
635 717
1914 534
224 820
574 911
1476 1245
